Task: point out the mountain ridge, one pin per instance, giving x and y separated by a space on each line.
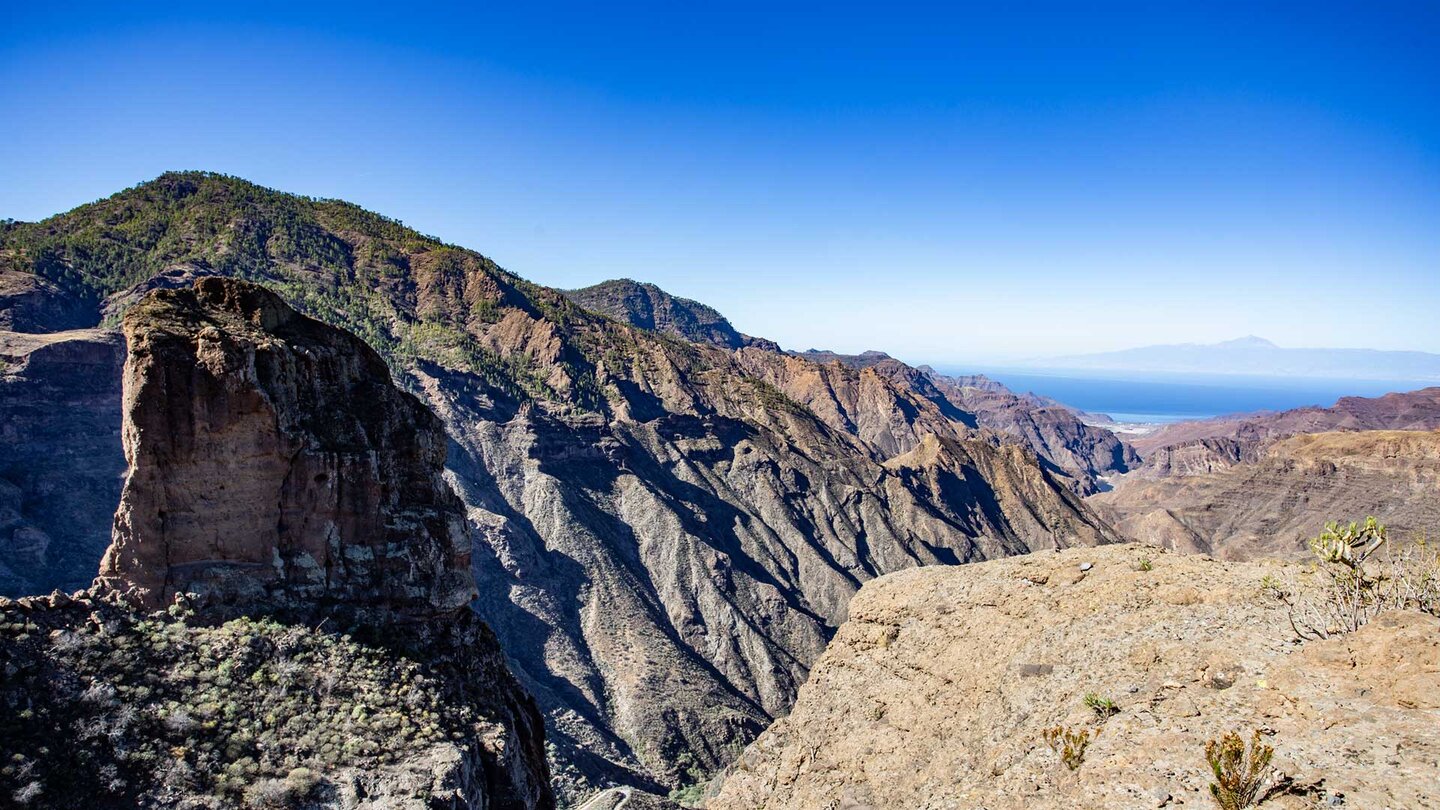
664 538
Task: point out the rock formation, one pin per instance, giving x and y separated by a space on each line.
32 304
1197 457
938 691
273 462
60 459
1272 505
278 482
649 307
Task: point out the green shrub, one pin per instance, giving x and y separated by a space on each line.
1241 772
1103 707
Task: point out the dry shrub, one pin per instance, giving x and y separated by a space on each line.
1069 744
1358 574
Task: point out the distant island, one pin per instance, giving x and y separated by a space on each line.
1257 356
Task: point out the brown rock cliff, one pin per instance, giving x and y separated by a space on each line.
271 461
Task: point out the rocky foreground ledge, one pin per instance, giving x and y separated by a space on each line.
938 691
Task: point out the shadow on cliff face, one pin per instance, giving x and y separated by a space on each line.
540 598
61 463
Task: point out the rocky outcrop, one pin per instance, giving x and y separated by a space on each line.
1272 505
60 459
1198 457
648 307
938 690
271 461
278 482
30 303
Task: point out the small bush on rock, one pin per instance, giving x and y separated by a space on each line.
1069 744
1359 574
1103 707
1241 772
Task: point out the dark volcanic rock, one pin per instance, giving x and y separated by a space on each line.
272 461
60 460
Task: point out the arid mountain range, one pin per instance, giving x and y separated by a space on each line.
667 519
666 533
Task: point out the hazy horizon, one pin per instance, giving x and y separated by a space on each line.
946 186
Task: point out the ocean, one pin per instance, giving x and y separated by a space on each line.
1161 398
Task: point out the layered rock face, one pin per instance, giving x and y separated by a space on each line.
60 461
1272 505
1197 457
272 461
938 690
1412 410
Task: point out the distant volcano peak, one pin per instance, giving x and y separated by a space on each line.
1247 342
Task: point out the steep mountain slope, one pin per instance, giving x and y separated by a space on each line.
1079 451
887 404
664 540
1270 505
938 691
306 656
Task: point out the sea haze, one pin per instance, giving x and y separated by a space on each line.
1156 397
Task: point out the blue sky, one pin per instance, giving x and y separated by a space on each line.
946 182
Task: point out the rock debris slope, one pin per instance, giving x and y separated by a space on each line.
278 483
937 691
664 537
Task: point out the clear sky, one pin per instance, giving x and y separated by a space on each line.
945 182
